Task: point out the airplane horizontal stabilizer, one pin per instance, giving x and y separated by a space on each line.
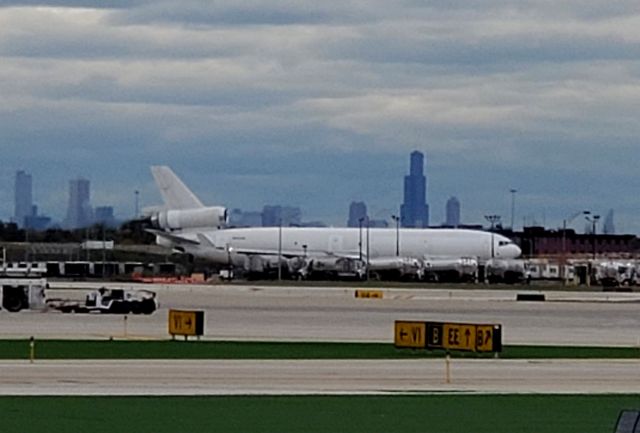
173 238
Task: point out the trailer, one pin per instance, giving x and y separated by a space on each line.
109 301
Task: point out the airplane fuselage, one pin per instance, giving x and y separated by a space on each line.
220 246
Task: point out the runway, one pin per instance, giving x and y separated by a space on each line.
333 314
307 377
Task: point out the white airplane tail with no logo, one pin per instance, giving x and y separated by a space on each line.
176 195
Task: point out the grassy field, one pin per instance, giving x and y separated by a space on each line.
121 349
310 414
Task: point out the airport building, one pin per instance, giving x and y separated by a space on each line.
541 242
414 212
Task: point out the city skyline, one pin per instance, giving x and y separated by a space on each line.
80 208
317 105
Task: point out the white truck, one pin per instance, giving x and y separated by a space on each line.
111 301
23 293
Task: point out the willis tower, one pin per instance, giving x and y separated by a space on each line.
414 212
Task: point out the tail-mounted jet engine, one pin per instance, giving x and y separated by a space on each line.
206 217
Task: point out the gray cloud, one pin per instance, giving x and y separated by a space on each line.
317 105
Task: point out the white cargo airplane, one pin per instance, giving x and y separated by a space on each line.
185 225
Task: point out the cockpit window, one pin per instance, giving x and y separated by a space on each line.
503 243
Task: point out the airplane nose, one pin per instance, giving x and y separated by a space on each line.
516 251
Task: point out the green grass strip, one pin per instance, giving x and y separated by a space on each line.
316 414
167 349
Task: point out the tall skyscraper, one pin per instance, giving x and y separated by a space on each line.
79 213
609 227
414 212
453 212
357 210
23 198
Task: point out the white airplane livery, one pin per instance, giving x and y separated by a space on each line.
185 225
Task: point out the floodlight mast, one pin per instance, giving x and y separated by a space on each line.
493 219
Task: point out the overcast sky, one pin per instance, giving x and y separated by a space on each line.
315 104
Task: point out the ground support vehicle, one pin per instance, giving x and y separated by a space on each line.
22 293
110 301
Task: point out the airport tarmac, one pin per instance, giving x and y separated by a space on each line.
333 314
306 377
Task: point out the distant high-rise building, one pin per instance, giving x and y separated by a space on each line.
235 217
608 227
453 212
105 215
273 216
378 224
251 219
79 212
35 221
23 198
414 212
240 218
357 212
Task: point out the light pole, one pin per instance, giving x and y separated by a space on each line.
136 203
27 246
279 249
104 249
493 219
564 240
513 207
593 220
368 226
229 263
360 221
397 220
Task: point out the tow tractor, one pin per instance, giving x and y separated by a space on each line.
111 301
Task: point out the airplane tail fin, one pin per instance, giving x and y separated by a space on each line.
175 193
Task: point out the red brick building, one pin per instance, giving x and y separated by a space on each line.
538 241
